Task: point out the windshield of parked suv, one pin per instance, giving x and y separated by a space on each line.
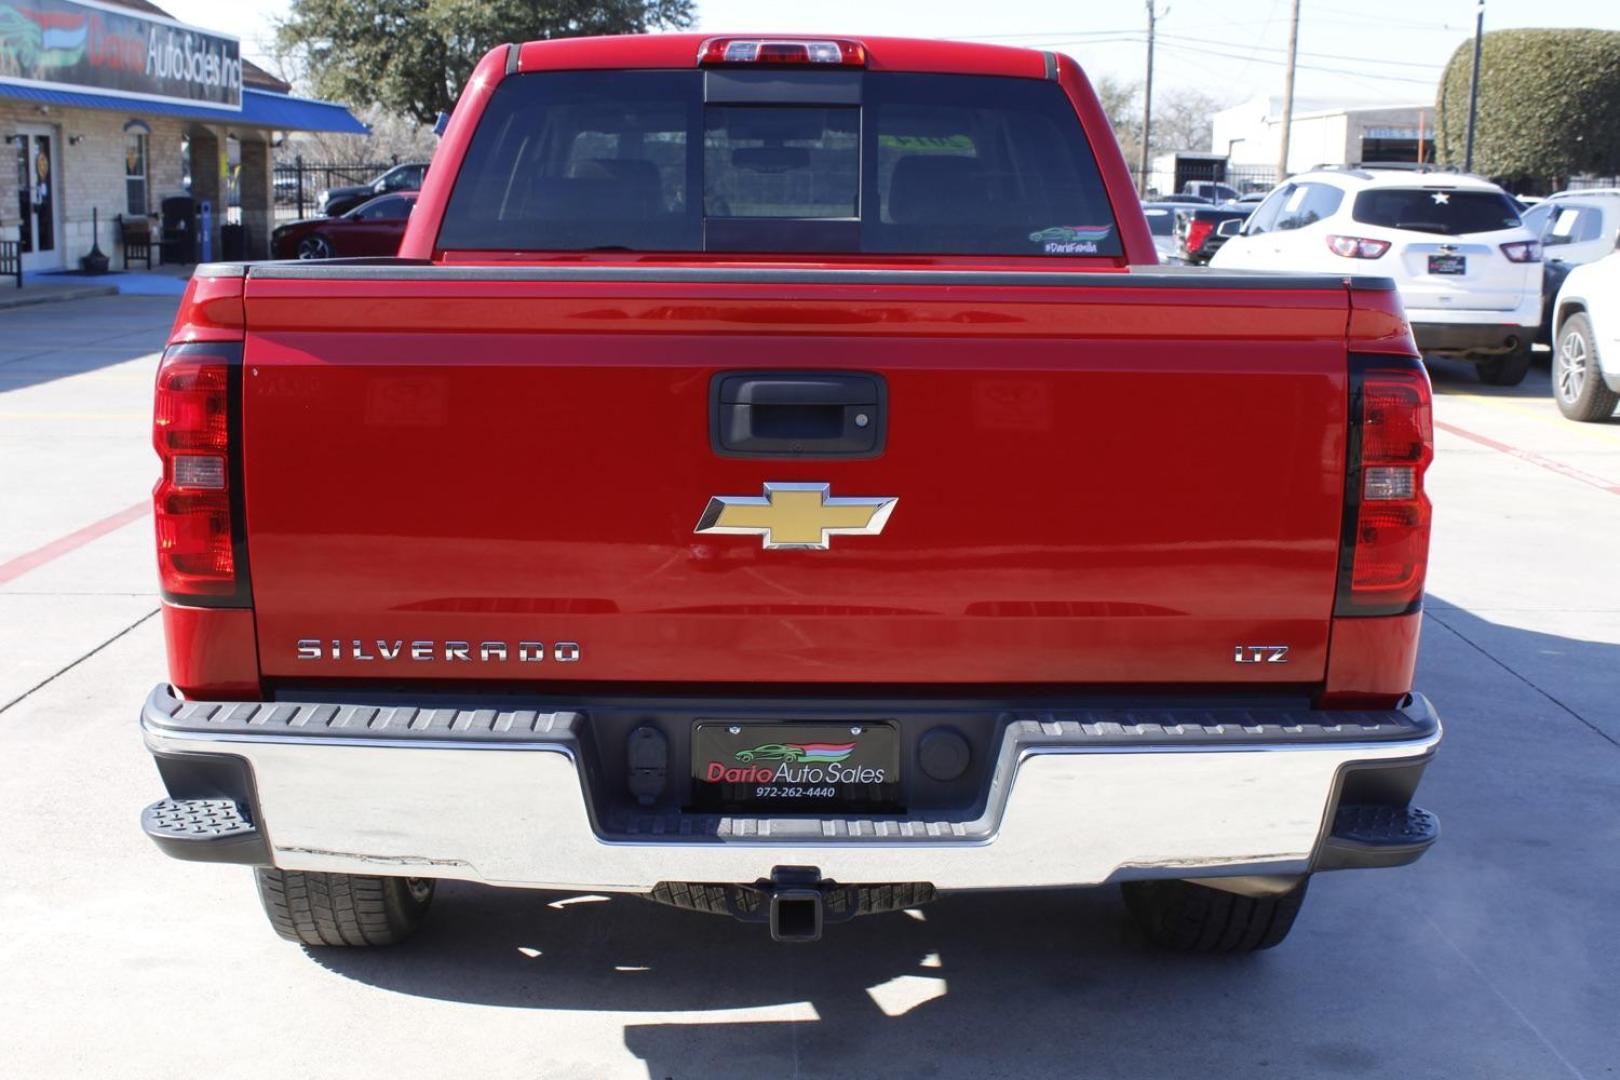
861 162
1447 212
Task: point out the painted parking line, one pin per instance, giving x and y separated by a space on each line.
1532 458
1541 410
32 560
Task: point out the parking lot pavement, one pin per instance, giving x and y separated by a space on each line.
1495 956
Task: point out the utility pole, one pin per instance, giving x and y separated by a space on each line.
1288 95
1473 88
1154 15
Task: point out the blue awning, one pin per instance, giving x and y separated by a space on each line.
260 108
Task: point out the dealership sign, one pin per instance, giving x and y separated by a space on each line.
99 48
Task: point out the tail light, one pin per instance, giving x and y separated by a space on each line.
1357 247
830 52
1523 251
1385 548
197 504
1197 233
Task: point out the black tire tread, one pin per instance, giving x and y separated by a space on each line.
1509 369
320 909
1185 917
1596 401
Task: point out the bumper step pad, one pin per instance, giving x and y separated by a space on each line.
205 830
1377 836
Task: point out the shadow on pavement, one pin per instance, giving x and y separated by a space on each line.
46 342
1060 983
1460 377
1015 984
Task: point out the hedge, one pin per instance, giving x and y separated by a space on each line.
1549 104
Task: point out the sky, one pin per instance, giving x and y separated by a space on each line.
1351 51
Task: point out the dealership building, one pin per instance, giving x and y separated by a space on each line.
115 114
1324 133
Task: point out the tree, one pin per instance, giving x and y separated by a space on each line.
1183 118
1546 105
412 57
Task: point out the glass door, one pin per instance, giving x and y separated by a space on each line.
36 198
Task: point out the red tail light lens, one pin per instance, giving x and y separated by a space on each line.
1197 233
1386 545
1523 251
1357 247
197 537
831 52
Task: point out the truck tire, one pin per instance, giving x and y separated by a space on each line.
1509 369
1577 382
343 909
1184 917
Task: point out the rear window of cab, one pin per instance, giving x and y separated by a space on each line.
680 161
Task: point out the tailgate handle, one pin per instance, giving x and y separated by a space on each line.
798 414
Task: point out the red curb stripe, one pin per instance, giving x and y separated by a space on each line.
1529 456
16 568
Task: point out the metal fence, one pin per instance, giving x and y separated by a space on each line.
1244 179
1590 183
299 184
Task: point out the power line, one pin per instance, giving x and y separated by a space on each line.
1320 56
1266 60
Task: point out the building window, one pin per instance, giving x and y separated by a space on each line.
135 172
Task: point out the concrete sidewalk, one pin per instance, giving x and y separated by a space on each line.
51 288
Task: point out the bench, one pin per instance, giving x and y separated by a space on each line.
136 236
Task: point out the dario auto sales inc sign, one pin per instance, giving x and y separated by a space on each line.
106 49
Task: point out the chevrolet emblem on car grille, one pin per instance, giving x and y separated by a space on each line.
795 516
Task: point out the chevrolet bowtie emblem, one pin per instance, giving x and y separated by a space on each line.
800 516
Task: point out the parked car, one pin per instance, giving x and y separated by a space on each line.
1161 219
1574 227
1468 271
372 228
787 564
1586 341
404 177
1212 190
1198 235
1191 200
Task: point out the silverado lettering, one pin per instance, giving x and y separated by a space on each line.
718 280
523 652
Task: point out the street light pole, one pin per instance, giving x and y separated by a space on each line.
1473 88
1288 95
1147 101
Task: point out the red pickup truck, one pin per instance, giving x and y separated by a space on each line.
776 479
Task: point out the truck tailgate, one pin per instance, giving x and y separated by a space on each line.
1101 479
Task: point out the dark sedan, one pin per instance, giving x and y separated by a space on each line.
405 177
372 228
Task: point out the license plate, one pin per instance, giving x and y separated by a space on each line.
802 768
1448 264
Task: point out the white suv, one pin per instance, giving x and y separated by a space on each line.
1586 341
1468 271
1575 228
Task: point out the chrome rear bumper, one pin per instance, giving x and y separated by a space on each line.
502 797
